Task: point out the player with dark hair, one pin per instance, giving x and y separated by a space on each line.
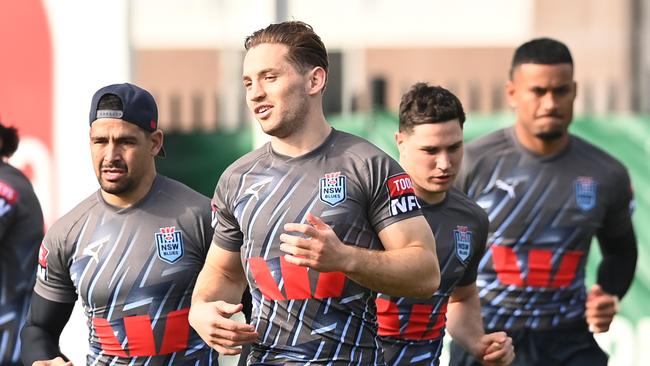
132 251
547 193
21 232
430 143
315 221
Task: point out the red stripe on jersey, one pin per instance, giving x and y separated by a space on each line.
441 319
330 284
387 318
177 332
109 342
296 280
418 321
539 268
505 265
264 280
566 272
399 185
140 335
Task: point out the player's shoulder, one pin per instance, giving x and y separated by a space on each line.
66 223
354 144
14 180
180 191
596 155
246 162
172 194
498 141
466 204
358 151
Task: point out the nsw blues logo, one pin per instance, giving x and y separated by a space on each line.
586 193
169 243
332 188
463 241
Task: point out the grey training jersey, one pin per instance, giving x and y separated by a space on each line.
134 269
412 330
304 316
543 214
21 232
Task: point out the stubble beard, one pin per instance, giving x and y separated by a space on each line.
292 122
124 185
117 188
550 135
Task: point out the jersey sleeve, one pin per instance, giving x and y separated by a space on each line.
227 233
618 217
8 205
53 281
479 245
391 194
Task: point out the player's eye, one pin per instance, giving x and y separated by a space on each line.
539 91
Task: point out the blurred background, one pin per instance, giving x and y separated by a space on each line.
55 53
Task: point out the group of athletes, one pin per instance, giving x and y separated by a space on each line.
350 257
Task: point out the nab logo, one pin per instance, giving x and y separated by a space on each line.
402 195
332 188
169 243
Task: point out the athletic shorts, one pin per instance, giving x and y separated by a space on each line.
567 347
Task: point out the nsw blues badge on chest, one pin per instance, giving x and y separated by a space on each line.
585 188
463 241
169 244
332 188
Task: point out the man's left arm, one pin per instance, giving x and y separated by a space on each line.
618 247
615 275
407 267
465 325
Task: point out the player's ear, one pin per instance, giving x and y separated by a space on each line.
510 91
399 140
157 140
575 90
317 79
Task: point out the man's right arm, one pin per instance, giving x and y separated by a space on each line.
216 297
40 335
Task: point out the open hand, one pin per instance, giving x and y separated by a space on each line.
212 322
318 247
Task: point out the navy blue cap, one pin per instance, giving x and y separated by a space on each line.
138 107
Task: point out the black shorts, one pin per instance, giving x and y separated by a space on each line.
567 347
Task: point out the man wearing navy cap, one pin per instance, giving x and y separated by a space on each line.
132 250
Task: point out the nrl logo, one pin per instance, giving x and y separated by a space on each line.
332 188
169 243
